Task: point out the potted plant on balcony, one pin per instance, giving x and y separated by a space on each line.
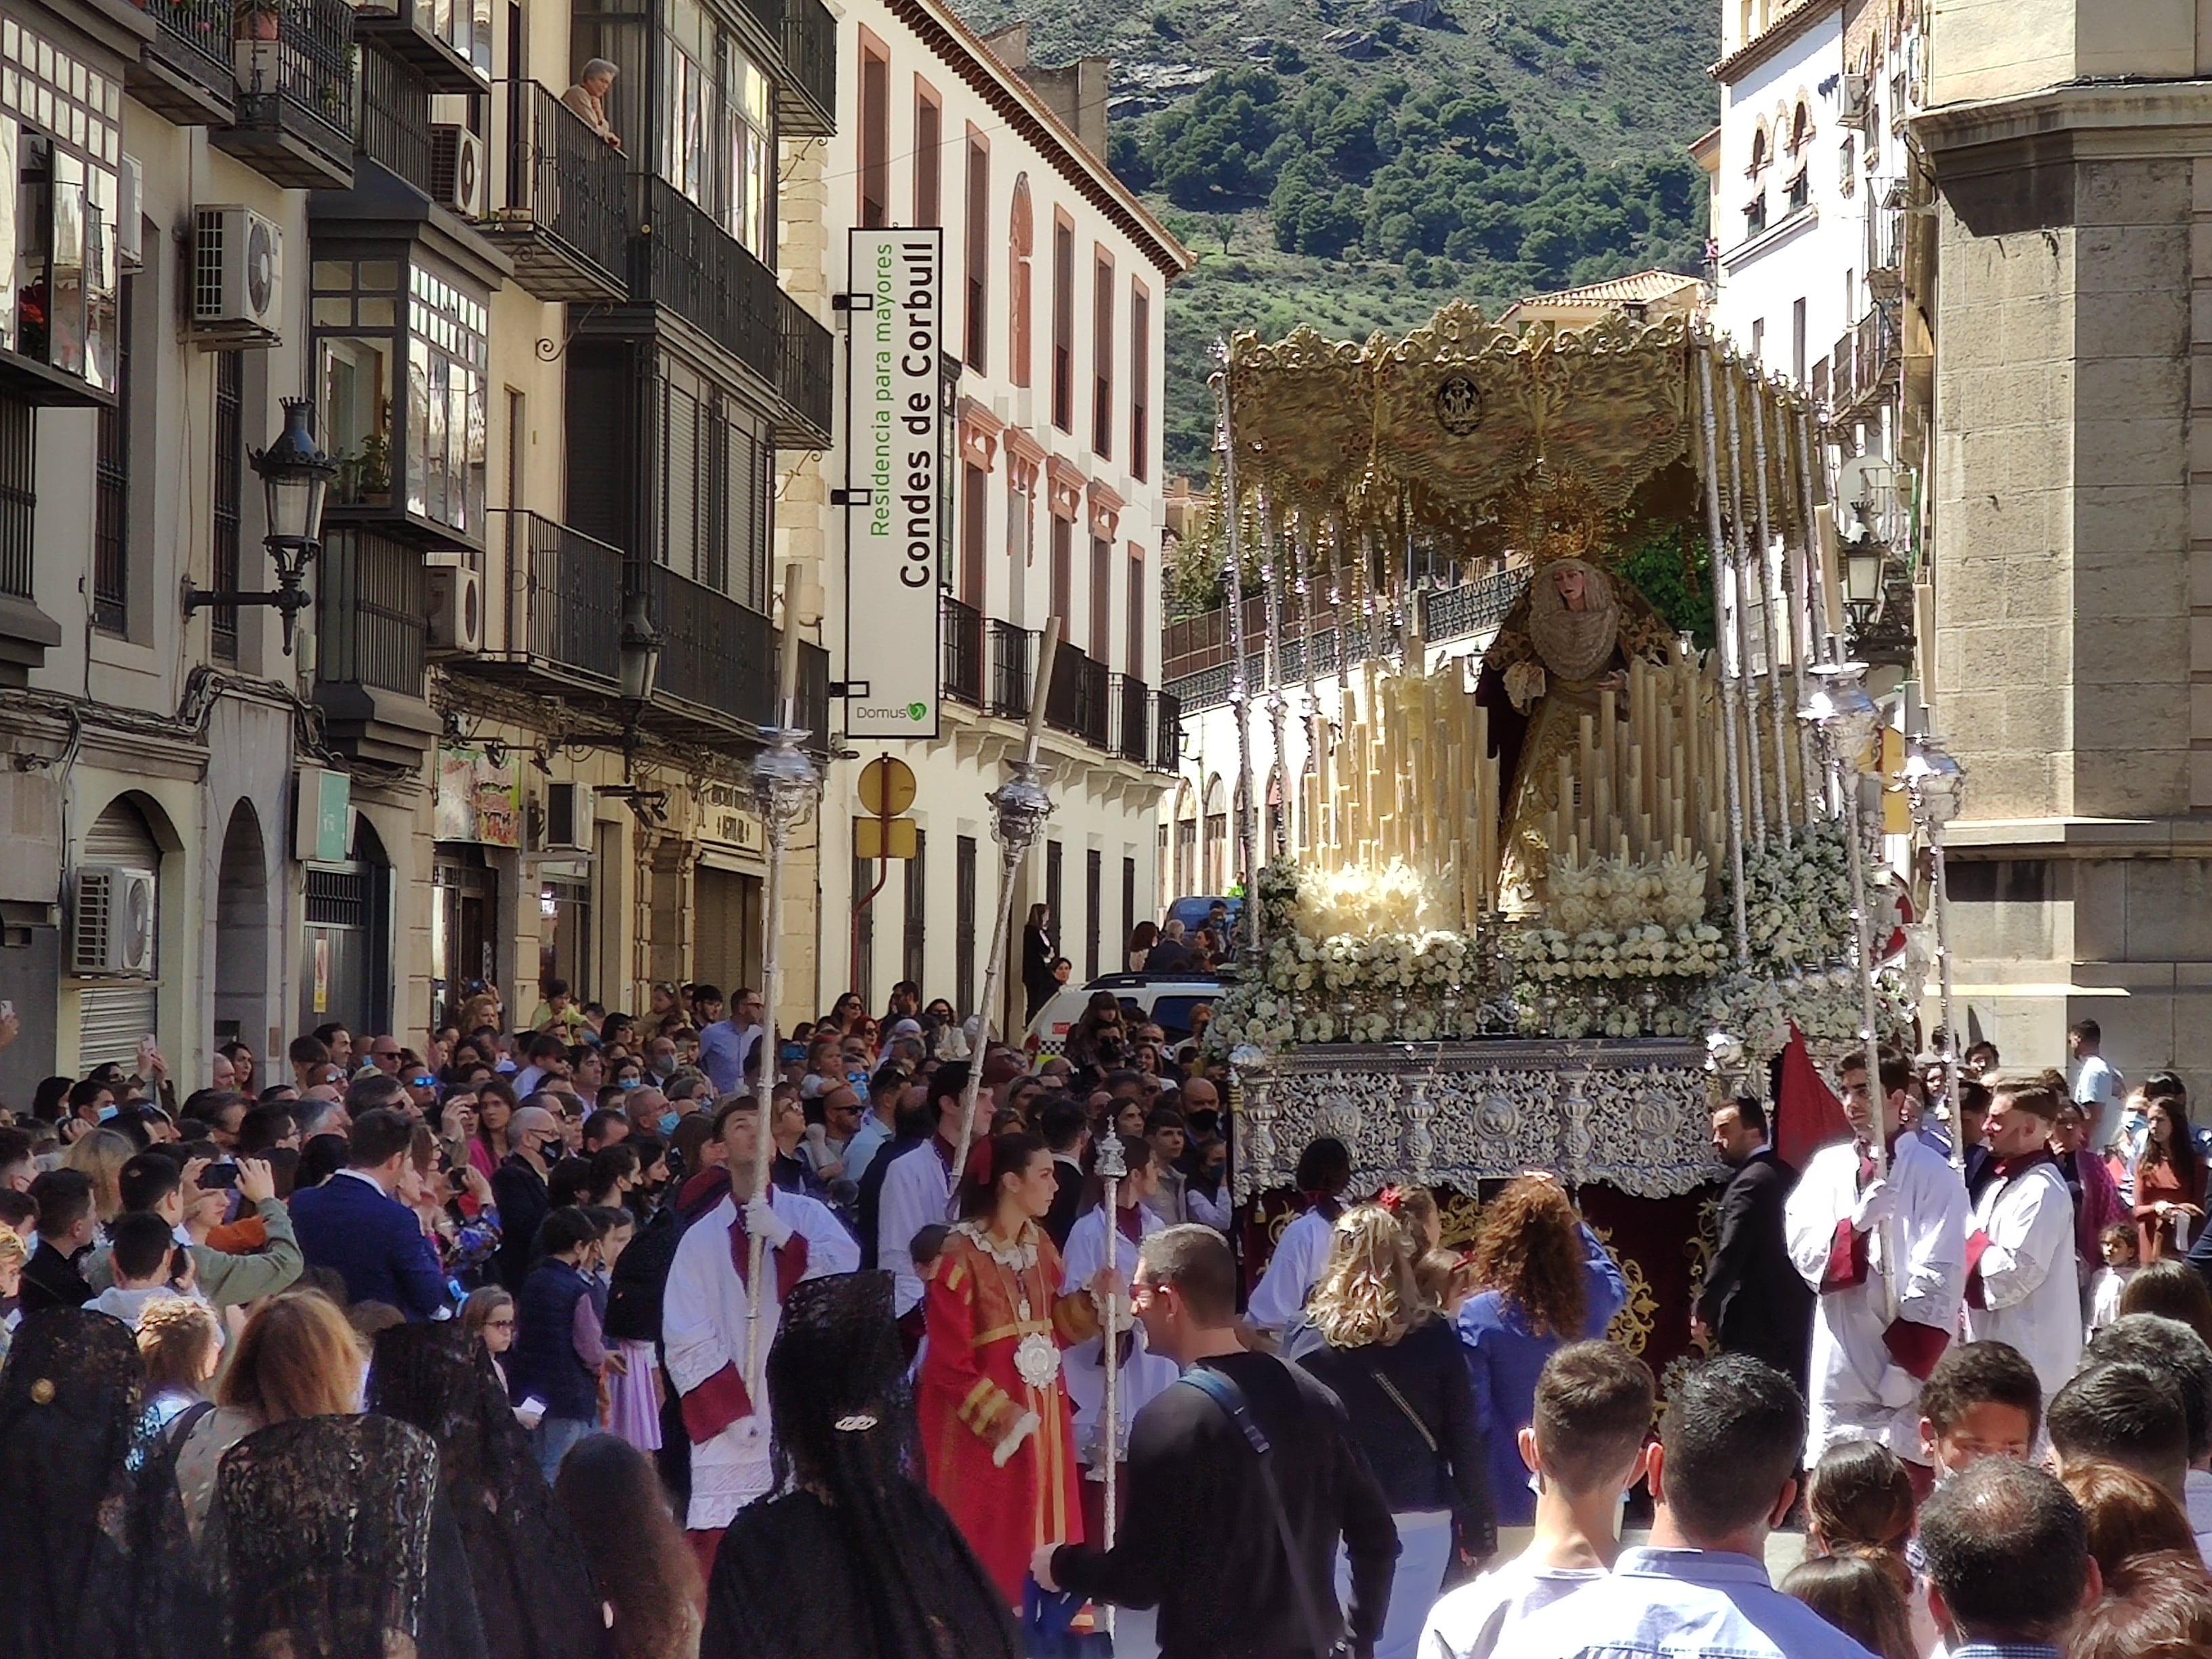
254 20
365 480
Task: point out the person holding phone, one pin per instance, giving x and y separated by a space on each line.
153 1183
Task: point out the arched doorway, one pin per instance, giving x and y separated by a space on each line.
242 931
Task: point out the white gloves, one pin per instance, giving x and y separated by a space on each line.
1024 1426
1877 1204
762 1222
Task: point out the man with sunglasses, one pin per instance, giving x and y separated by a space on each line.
535 1141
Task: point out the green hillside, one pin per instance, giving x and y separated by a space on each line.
1355 163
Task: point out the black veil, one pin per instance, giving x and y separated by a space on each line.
844 1442
99 1564
531 1577
327 1533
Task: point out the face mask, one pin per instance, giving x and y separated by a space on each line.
629 1083
665 1067
668 1122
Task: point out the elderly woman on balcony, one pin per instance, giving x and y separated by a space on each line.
588 98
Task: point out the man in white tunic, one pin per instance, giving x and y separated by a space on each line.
708 1310
918 1190
1324 1171
1857 1237
2021 1286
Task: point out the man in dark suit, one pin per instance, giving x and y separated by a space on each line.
535 1142
1064 1126
353 1225
52 1278
1753 1301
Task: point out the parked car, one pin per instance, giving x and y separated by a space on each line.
1163 1000
1191 912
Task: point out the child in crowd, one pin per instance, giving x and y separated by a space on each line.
1981 1401
1586 1448
2120 1264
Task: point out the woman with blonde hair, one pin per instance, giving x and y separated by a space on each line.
296 1357
1547 1281
99 1155
1376 1343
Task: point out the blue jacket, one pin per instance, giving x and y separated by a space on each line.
1505 1359
544 1362
375 1242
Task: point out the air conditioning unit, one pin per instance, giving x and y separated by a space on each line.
457 169
1852 99
569 819
238 268
114 922
456 610
130 193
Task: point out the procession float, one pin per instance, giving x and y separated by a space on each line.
1538 907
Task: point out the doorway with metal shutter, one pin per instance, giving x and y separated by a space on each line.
727 943
113 1014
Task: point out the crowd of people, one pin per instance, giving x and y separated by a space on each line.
505 1349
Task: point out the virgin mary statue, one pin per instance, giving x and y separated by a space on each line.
1568 639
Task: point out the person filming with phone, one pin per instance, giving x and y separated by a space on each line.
192 1196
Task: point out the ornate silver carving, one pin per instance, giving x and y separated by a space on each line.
1628 1113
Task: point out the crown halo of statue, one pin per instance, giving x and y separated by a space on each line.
1549 517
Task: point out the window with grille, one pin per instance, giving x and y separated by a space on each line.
1094 900
1140 383
979 251
963 925
864 932
875 140
1063 326
111 535
913 953
19 496
928 158
229 493
1102 357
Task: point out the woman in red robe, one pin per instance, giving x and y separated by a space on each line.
997 1433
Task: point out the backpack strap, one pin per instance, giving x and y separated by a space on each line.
1223 1393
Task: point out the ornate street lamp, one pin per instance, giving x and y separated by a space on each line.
640 652
295 476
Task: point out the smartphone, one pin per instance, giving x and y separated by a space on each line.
219 1177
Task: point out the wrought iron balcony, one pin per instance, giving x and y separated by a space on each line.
1167 731
554 613
557 198
1010 671
394 129
806 93
1128 700
187 74
962 633
295 120
717 666
372 594
683 260
444 38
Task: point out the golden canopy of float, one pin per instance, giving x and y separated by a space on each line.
1600 769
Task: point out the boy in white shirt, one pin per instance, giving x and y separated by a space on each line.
2119 1243
1586 1447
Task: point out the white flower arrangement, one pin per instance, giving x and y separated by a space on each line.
1621 894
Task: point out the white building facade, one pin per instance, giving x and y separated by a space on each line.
1051 385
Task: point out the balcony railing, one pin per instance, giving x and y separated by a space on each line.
1010 671
1128 701
806 96
1865 360
558 204
188 72
1167 731
372 595
805 373
295 121
963 632
441 38
561 602
718 660
395 117
1075 702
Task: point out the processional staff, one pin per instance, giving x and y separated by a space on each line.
786 787
1019 807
